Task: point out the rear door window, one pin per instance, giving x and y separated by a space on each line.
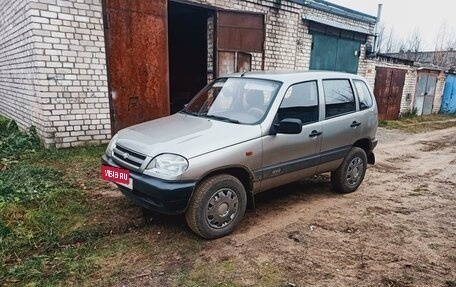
339 97
364 95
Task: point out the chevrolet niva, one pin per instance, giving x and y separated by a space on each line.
244 134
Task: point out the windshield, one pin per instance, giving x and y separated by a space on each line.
236 100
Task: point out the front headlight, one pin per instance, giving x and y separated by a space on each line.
168 164
112 145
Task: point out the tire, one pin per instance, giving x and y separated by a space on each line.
350 174
217 206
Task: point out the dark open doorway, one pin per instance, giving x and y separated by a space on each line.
187 38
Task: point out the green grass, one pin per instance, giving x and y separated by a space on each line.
61 225
416 124
40 210
58 229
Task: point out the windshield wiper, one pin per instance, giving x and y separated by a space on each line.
225 119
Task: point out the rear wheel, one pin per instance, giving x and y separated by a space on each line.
349 175
217 206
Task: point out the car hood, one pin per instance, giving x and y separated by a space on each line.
186 135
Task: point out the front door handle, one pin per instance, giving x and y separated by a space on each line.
355 124
314 133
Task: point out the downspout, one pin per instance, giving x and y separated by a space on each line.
376 42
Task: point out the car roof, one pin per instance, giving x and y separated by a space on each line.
294 76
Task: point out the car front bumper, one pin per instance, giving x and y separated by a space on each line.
168 197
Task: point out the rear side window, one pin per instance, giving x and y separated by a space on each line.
365 97
300 102
339 97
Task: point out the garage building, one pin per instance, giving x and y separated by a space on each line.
79 70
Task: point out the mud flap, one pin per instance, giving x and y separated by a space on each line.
250 200
371 158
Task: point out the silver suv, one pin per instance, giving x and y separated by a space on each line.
244 134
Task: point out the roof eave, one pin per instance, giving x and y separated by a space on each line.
338 10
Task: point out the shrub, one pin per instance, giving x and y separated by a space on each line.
409 114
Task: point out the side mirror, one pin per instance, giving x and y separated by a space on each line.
289 126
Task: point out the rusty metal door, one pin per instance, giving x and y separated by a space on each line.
389 84
137 60
238 35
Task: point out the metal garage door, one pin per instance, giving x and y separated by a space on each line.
425 90
334 53
389 84
449 96
137 58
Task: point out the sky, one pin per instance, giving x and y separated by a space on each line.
406 16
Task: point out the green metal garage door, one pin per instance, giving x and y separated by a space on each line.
334 54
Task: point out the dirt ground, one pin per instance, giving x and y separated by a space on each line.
398 229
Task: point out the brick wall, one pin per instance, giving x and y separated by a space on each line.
72 84
210 49
440 86
54 70
17 68
338 19
368 71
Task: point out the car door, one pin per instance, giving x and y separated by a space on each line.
290 157
341 126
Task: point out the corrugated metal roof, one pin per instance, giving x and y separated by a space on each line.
337 24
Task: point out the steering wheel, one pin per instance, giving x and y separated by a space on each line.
256 112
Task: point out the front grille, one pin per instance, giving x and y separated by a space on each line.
123 155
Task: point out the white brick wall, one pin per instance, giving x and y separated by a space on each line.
439 92
58 76
72 82
17 68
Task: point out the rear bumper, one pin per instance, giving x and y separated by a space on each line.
169 197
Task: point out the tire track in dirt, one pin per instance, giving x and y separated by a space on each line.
403 155
396 228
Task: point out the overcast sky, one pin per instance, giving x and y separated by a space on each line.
407 15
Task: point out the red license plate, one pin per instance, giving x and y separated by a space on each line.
118 175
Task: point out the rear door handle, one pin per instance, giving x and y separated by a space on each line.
314 133
355 124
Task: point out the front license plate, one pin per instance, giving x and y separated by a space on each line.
118 175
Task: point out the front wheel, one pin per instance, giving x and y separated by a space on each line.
349 175
217 206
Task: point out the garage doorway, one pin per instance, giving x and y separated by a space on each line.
187 42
